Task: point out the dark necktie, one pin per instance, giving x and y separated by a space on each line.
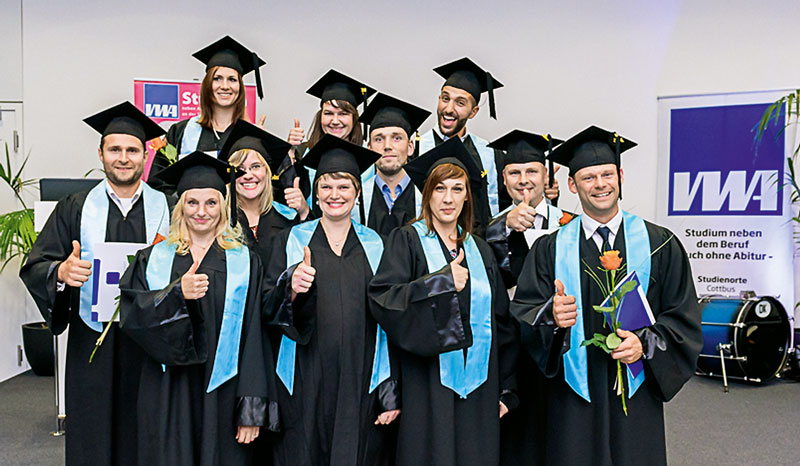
604 232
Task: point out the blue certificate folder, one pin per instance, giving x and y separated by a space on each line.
634 313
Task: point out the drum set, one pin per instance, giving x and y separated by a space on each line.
746 339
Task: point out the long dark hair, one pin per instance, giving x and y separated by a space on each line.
207 100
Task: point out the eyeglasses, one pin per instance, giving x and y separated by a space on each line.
253 167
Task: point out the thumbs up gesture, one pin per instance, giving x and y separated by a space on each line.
194 285
294 199
296 134
74 271
551 192
303 276
565 311
460 273
521 217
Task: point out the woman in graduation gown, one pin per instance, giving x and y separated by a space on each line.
440 298
337 391
258 153
193 303
222 100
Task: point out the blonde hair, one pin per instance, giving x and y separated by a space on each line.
227 237
266 197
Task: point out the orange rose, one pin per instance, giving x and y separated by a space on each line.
158 238
157 144
610 260
565 218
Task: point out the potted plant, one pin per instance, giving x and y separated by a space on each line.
17 236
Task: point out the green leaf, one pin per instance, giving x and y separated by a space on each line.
613 341
603 309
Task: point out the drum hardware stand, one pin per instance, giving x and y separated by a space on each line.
724 348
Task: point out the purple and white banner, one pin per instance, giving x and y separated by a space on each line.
723 195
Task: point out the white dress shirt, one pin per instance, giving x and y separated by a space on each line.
124 204
591 225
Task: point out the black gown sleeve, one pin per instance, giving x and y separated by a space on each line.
533 308
675 340
254 403
418 310
168 327
40 272
497 237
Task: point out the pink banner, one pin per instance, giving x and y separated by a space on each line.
169 101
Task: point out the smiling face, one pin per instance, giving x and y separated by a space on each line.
122 156
201 210
225 86
394 146
336 195
252 184
336 121
522 178
455 107
597 188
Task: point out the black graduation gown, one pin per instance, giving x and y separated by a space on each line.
403 211
270 225
208 142
101 396
179 423
424 316
481 205
598 433
329 419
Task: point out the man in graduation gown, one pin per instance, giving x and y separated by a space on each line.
525 178
457 348
390 199
197 315
553 302
101 395
337 392
458 102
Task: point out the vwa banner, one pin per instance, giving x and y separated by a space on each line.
723 195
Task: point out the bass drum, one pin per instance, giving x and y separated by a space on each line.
754 334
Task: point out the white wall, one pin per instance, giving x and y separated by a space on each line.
565 64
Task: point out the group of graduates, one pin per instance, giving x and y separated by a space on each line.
324 301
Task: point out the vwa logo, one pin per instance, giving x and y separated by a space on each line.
161 101
708 194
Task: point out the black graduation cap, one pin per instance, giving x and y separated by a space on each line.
125 118
332 154
334 85
592 146
523 147
467 75
199 170
450 151
229 53
385 110
246 135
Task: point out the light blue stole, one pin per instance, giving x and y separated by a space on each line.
94 215
285 211
569 270
368 185
463 377
486 154
237 281
191 136
371 242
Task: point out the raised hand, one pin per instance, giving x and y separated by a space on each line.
194 285
460 273
261 121
565 311
552 192
303 276
521 217
294 199
74 271
296 134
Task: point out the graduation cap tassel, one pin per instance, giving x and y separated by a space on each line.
361 211
232 189
490 88
617 141
259 89
365 128
550 167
